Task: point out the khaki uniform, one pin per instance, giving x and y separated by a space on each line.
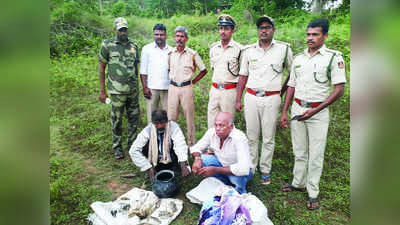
182 68
223 100
264 70
309 77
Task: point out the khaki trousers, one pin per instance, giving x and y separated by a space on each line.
183 96
221 100
158 97
261 112
309 140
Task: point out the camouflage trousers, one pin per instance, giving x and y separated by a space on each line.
120 102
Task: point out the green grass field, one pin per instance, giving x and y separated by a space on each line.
82 167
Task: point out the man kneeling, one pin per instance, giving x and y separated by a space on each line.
229 160
160 146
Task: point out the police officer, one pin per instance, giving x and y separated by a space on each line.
120 54
183 62
313 72
261 72
225 60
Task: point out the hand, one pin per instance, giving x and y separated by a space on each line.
102 97
147 93
185 171
151 174
284 120
307 115
238 106
197 164
207 171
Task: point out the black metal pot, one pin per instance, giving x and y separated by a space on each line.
165 184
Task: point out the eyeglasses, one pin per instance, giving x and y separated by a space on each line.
122 29
265 27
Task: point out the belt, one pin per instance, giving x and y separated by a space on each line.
307 104
180 84
224 86
262 93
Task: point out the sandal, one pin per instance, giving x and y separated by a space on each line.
311 202
265 179
290 188
118 155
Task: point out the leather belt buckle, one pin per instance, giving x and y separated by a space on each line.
305 104
260 93
179 84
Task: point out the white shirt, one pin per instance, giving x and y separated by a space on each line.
154 64
180 147
234 152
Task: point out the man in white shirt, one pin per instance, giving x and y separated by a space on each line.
160 146
154 71
230 157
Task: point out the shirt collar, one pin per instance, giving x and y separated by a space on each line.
156 46
230 44
272 44
321 51
116 41
175 49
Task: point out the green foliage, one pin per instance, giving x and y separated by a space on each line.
118 9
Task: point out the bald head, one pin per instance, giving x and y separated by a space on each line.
225 116
223 124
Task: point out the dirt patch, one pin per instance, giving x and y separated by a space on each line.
117 188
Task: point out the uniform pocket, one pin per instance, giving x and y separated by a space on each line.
277 68
114 57
321 74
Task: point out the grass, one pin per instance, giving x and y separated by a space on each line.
82 167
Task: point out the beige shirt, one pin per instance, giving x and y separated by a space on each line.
219 58
182 67
264 68
180 147
307 70
234 152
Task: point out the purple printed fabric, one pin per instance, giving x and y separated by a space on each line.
226 210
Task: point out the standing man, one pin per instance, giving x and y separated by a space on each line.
313 72
230 161
183 62
261 72
121 56
225 60
154 71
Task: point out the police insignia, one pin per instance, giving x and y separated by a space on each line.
341 64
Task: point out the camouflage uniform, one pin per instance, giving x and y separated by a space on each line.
122 86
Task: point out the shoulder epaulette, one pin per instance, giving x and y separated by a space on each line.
214 44
333 51
191 51
249 46
282 43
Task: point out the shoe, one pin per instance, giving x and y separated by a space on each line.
312 202
265 179
290 188
118 154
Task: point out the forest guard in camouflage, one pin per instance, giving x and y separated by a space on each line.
121 56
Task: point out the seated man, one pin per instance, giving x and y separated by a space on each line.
160 146
230 161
